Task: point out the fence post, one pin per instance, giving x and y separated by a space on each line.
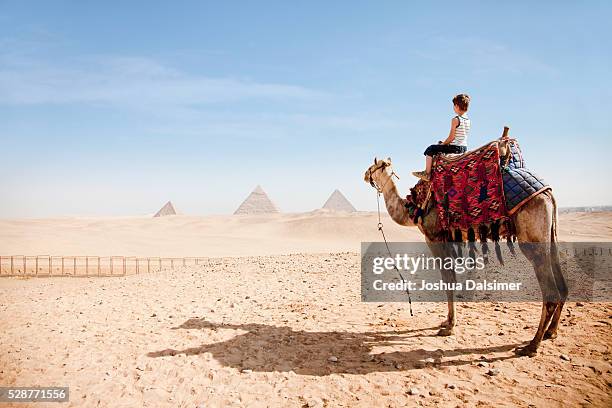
124 266
137 266
36 264
184 262
159 264
74 266
50 264
25 264
171 263
98 266
148 265
12 267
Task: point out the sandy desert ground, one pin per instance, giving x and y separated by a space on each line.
274 318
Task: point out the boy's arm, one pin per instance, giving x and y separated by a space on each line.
451 134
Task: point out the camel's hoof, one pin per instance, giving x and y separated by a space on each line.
444 324
528 351
550 335
445 331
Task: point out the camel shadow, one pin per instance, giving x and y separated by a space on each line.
269 348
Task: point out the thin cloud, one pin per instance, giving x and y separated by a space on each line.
282 126
130 82
171 101
481 56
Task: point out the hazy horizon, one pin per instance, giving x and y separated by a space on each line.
110 110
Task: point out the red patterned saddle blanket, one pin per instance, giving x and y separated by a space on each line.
467 193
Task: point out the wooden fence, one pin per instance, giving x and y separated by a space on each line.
86 266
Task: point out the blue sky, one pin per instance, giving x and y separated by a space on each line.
113 108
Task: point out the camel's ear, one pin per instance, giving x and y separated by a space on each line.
375 160
389 160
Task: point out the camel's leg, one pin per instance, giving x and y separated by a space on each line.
540 259
448 326
551 332
534 223
440 249
548 309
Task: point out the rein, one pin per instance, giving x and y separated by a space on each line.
379 191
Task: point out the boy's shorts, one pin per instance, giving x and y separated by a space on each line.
441 148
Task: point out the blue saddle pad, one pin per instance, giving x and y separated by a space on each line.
520 183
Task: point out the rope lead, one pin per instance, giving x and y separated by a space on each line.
380 228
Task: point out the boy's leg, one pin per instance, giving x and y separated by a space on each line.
426 174
431 150
428 162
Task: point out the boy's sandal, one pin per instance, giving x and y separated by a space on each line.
422 175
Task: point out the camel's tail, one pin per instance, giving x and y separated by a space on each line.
554 254
553 232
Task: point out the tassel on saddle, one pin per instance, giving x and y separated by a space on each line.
483 232
459 242
510 235
471 236
495 237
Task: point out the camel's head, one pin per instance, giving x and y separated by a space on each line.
376 170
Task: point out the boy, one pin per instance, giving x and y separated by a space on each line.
456 142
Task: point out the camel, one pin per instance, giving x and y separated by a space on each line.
535 222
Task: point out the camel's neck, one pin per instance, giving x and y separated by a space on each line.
396 205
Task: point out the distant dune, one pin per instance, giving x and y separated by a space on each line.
233 235
600 208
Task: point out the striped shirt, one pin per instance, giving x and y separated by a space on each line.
462 131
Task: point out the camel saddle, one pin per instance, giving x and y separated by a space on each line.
477 191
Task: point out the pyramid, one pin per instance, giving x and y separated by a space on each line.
257 202
167 209
338 202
